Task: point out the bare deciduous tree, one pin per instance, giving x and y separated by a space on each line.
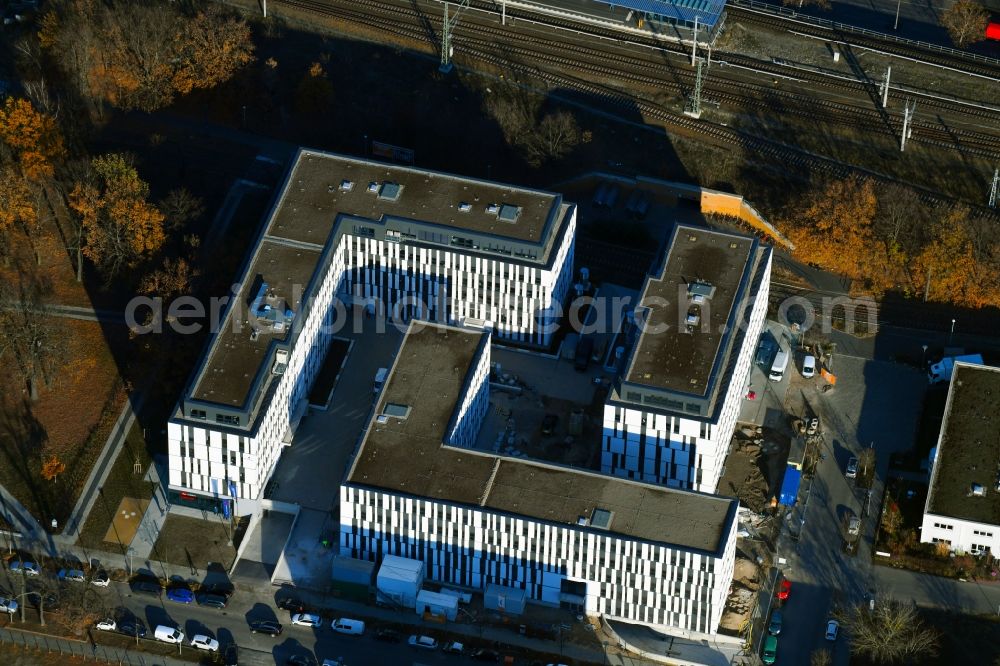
516 111
820 657
891 632
31 341
180 207
966 22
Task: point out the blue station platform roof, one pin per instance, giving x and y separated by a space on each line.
677 11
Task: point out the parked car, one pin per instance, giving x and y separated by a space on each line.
231 657
220 590
50 601
451 647
306 620
854 526
771 650
775 627
345 625
784 589
166 634
203 642
268 627
388 636
180 595
132 628
808 366
107 624
29 568
482 654
74 575
300 660
8 605
852 468
147 586
291 604
425 642
832 629
211 600
101 579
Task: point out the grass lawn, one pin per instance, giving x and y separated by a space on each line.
194 542
71 419
122 482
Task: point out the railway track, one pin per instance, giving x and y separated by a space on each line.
900 49
481 41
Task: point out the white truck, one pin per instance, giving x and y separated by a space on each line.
941 371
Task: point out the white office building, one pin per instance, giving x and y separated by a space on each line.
963 504
670 418
581 540
398 241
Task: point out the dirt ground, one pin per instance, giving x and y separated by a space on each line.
193 542
71 419
742 595
744 477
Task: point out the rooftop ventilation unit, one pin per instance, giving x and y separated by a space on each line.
692 320
601 518
583 521
346 185
978 490
373 187
492 209
700 289
280 362
390 191
509 213
269 311
396 411
465 207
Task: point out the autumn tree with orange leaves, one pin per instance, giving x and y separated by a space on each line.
52 467
835 231
121 229
31 137
141 55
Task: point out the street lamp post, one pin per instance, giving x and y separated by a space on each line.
952 332
923 358
895 24
131 551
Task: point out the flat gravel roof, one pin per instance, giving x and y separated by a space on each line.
968 449
409 456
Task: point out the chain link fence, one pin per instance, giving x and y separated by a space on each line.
85 650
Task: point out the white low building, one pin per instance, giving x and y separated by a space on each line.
963 504
671 416
580 540
401 241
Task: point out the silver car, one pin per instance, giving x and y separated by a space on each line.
852 468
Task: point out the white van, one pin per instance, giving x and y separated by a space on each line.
779 365
168 634
346 625
380 378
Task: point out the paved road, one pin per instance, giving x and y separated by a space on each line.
873 402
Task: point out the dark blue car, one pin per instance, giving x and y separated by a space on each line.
181 595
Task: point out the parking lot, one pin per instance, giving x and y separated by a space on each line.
875 403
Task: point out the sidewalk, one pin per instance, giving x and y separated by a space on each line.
505 637
152 520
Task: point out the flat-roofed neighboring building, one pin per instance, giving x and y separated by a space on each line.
963 504
578 539
671 416
405 242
